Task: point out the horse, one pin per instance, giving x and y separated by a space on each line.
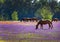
43 22
34 19
55 19
26 19
30 19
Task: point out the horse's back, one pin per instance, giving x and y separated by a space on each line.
44 22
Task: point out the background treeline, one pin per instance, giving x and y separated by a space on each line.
18 9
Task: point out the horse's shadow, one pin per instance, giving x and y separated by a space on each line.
43 29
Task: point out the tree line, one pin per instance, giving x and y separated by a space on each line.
17 9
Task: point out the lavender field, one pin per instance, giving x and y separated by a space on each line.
25 31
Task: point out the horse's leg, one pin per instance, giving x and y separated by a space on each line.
49 26
37 26
41 26
30 20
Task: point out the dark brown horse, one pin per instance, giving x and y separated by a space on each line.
41 22
55 19
29 19
26 19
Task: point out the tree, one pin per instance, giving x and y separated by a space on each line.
2 1
15 15
44 13
1 17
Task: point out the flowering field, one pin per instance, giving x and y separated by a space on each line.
25 31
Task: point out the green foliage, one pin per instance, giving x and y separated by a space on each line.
57 8
15 15
2 1
45 13
26 7
1 17
38 14
6 16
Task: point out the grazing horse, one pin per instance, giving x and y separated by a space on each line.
29 19
55 19
34 19
43 22
26 19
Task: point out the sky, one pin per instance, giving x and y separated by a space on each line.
58 0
